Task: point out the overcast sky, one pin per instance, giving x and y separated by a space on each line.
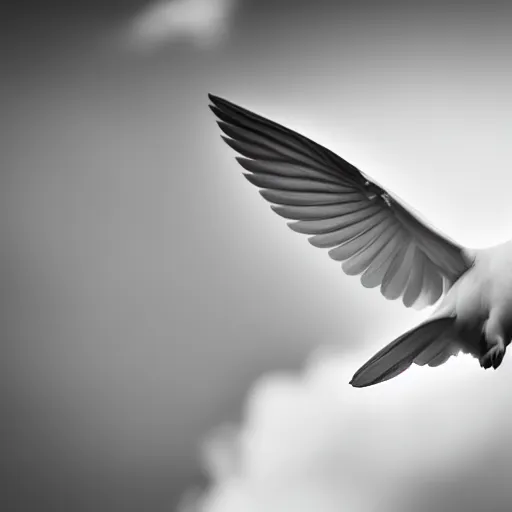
149 291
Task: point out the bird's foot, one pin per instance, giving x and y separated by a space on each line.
494 355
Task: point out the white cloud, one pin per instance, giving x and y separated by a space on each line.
311 442
204 23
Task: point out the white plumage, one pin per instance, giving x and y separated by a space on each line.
379 238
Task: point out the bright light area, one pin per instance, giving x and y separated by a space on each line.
202 22
295 449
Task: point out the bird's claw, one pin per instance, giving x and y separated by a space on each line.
493 357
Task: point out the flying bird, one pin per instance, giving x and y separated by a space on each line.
381 239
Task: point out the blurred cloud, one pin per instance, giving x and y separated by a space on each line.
310 442
204 23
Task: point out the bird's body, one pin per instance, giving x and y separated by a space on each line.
481 299
377 236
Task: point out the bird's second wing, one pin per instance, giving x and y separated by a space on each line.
362 224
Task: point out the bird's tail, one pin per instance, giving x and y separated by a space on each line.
396 357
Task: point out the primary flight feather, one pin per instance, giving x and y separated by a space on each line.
379 238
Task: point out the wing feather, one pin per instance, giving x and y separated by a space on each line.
374 229
290 170
250 150
326 211
415 282
275 182
371 231
357 218
362 261
357 244
374 274
394 286
294 198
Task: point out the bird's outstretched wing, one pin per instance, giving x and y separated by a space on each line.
363 224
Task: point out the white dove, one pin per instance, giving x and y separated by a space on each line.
377 236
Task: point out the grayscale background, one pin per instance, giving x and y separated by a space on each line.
150 296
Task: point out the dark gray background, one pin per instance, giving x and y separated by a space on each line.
146 285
